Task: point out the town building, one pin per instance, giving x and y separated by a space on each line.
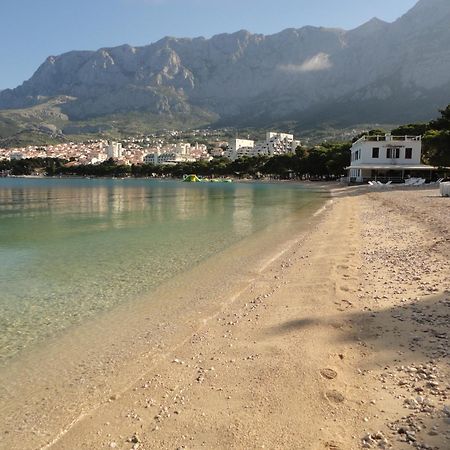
172 157
217 152
235 145
151 158
280 143
274 144
16 156
182 148
114 150
387 158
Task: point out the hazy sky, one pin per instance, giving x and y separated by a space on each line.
31 30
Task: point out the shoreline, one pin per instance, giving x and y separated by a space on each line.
127 340
324 345
169 178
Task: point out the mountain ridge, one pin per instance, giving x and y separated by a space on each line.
244 78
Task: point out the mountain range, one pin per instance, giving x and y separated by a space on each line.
377 73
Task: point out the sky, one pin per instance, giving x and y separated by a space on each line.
32 30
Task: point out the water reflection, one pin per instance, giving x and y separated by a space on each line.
70 248
243 212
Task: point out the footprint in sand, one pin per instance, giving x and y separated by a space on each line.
335 396
332 446
329 374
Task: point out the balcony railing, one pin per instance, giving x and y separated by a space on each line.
388 137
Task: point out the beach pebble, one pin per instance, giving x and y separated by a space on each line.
134 439
375 440
329 374
411 403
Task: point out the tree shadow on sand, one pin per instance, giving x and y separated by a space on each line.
411 332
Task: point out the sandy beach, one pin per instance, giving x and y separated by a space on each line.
340 341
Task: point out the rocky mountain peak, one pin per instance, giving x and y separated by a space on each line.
425 13
374 24
399 70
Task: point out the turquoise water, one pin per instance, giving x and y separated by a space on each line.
70 249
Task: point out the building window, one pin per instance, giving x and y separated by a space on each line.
392 153
375 152
408 153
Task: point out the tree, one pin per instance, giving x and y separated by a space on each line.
437 148
279 165
443 122
436 141
338 156
412 129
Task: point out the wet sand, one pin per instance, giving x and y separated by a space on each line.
339 340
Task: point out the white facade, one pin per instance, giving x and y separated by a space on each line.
16 156
114 150
385 157
97 158
151 158
182 148
397 150
262 148
275 144
246 152
167 158
281 143
174 158
235 145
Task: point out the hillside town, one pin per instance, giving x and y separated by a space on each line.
158 149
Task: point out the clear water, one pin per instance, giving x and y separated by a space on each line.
70 249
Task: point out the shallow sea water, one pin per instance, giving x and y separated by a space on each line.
73 248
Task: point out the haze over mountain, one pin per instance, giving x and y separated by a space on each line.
379 72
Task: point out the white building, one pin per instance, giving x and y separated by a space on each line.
16 156
261 148
235 145
388 158
97 158
182 148
174 158
114 150
151 158
275 144
167 158
280 143
248 151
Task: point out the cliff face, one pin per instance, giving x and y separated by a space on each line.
378 71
